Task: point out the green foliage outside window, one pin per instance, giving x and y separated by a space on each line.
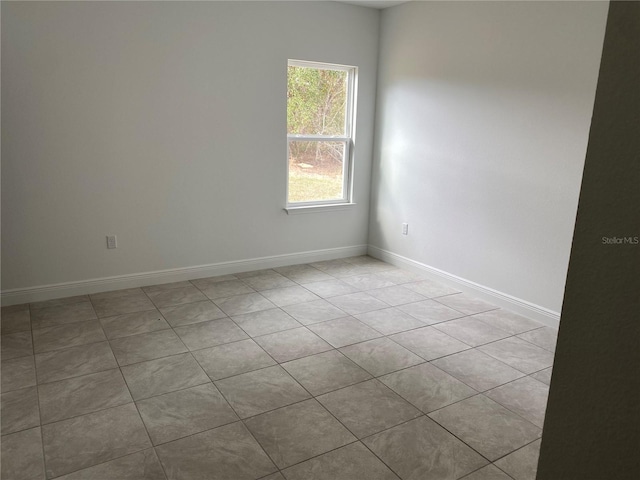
316 101
316 105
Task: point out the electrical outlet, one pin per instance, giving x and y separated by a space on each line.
112 241
405 229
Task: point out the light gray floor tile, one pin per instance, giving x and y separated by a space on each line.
399 276
74 361
260 391
16 345
289 269
478 370
292 344
137 466
307 276
133 324
344 331
507 321
91 439
59 301
204 282
18 373
345 270
19 410
466 304
430 311
22 456
176 296
326 264
421 449
165 286
268 282
192 313
314 312
75 369
298 432
325 372
490 472
396 295
108 306
522 464
10 309
241 304
431 288
147 346
366 260
368 281
519 354
368 407
389 321
526 397
227 288
256 273
224 453
471 331
545 337
381 356
14 319
233 359
155 377
543 376
351 462
486 426
429 343
65 336
379 267
209 334
427 387
330 288
62 314
125 292
185 412
356 303
289 295
81 395
274 476
266 321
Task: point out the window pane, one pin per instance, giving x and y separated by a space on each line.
316 171
316 101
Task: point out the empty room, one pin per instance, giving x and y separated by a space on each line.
319 240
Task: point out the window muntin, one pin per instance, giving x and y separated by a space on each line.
320 100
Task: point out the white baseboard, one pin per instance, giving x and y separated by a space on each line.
84 287
503 300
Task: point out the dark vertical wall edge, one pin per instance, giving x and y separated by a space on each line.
592 425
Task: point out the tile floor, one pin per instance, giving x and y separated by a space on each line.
343 369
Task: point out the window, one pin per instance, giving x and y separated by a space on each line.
320 111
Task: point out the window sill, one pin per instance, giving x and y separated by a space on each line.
318 208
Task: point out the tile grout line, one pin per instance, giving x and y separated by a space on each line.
191 352
138 409
221 394
33 349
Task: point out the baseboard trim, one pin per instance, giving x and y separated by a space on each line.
504 300
96 285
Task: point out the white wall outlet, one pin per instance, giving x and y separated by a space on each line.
112 241
405 229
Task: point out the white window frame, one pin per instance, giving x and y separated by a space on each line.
348 139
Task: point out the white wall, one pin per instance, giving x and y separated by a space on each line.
483 114
164 123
